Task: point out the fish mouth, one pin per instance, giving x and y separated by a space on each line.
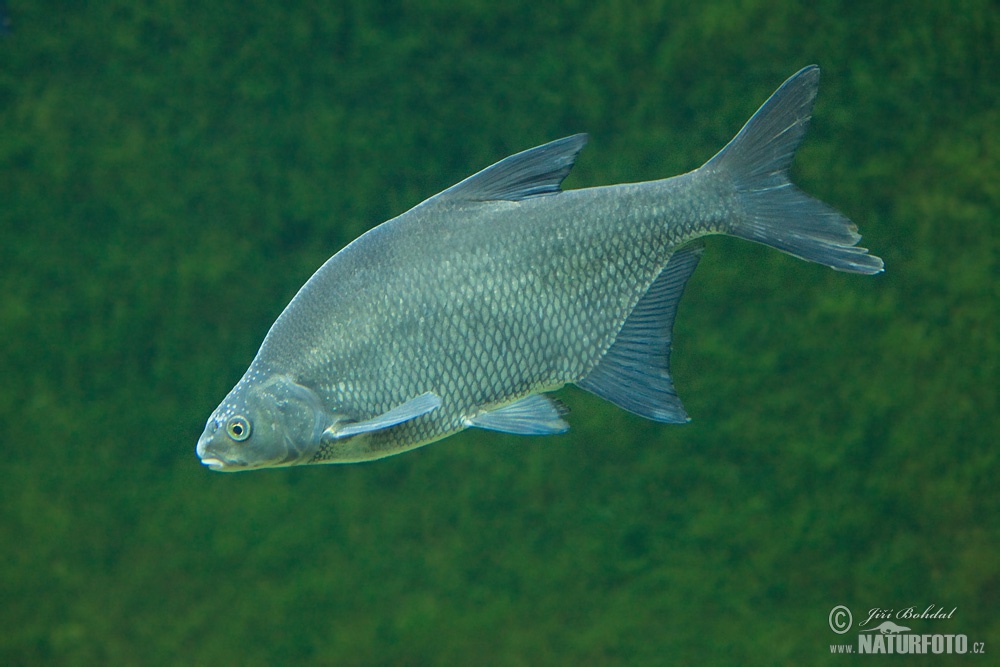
204 451
213 463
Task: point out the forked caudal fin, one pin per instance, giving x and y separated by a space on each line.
634 373
774 211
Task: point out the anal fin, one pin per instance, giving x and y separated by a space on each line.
634 373
531 415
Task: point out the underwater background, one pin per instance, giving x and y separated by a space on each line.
171 172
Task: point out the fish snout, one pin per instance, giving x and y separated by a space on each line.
204 449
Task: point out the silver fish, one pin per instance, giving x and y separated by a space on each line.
463 311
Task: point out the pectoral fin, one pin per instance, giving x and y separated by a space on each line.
532 415
411 409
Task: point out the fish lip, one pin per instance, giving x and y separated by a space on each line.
213 463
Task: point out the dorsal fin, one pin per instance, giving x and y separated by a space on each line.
531 173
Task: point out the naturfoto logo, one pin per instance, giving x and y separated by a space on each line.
887 636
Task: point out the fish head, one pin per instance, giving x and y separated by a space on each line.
263 423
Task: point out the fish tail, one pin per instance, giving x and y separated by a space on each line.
771 210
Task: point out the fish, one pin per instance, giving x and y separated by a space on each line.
469 309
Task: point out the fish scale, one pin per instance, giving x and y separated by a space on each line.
466 310
485 306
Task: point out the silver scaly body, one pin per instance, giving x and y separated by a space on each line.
464 310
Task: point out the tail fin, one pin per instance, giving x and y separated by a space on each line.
774 211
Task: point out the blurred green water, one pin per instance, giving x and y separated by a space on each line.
171 173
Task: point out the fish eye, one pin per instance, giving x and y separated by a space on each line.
238 428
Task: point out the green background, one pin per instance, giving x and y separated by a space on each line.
172 172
